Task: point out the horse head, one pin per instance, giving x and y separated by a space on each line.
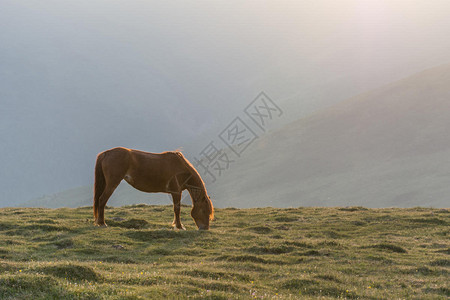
202 212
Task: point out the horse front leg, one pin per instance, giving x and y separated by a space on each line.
176 209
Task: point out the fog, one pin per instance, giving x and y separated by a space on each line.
79 77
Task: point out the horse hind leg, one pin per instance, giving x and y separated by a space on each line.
96 207
100 221
99 183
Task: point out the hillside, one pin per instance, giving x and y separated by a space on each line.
388 147
352 253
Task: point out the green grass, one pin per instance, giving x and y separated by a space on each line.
352 253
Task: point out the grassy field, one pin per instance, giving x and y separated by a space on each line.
353 253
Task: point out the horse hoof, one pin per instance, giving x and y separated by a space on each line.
100 225
179 228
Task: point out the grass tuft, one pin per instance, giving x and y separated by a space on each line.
271 250
286 219
441 263
71 272
352 208
130 224
29 286
243 258
63 243
390 247
298 284
428 221
149 235
328 278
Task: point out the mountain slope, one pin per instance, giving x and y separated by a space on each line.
388 147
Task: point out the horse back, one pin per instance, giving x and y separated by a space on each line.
146 171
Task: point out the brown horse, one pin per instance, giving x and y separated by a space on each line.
167 172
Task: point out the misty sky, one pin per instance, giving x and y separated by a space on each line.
79 77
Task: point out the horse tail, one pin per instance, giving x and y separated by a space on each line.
99 183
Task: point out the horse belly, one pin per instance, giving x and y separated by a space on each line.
147 184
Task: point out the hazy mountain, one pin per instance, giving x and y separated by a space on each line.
387 147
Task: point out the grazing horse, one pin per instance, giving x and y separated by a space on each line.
167 172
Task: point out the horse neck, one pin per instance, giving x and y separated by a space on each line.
198 192
196 188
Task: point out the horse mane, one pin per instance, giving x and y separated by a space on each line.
195 174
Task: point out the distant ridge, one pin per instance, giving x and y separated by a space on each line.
389 147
